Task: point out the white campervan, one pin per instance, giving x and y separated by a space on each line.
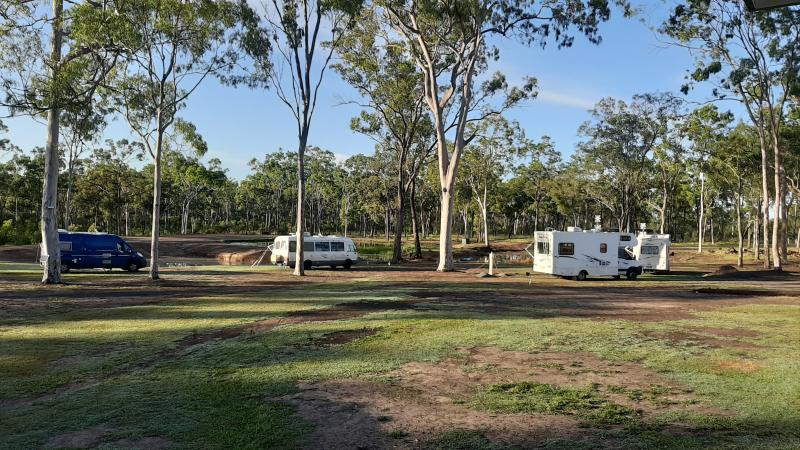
581 254
652 251
318 251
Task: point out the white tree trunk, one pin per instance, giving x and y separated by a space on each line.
155 231
51 252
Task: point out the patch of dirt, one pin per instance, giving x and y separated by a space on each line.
342 337
747 292
687 338
420 401
87 438
146 443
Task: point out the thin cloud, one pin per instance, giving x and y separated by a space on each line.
567 100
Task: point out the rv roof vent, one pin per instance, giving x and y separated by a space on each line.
573 229
306 233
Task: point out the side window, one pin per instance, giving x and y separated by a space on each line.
65 246
625 238
292 246
649 250
308 246
566 248
351 248
337 246
322 246
543 248
604 248
120 247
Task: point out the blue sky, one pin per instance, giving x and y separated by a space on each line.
240 124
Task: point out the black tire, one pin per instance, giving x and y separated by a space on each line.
617 277
133 267
582 275
291 265
348 263
307 264
65 268
631 274
333 266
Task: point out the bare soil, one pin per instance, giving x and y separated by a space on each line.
418 402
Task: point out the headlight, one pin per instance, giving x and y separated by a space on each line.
140 254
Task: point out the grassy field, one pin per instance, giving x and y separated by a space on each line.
232 357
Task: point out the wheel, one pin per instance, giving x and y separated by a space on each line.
631 274
348 263
582 275
65 268
617 277
133 267
333 266
291 265
307 264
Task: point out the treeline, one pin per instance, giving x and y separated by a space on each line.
650 160
446 160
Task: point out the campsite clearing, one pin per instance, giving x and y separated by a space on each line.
235 357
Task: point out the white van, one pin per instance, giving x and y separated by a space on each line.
652 251
318 251
581 254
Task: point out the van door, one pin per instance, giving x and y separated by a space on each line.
122 255
566 261
323 253
338 254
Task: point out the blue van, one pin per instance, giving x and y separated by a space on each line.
98 251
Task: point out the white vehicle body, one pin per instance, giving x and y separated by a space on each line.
652 251
582 254
318 251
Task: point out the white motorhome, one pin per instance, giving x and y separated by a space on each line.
652 251
318 251
581 254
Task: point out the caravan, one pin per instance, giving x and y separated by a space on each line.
652 251
581 254
318 251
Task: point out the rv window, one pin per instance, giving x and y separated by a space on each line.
543 248
566 248
292 246
120 247
65 246
308 246
603 248
625 238
649 250
337 246
623 253
322 246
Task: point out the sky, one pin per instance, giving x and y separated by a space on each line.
241 124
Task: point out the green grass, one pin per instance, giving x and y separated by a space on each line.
587 404
228 393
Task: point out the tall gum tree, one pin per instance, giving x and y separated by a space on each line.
172 47
52 59
382 71
304 34
750 57
450 41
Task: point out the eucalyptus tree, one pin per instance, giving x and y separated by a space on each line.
753 58
450 42
620 139
497 145
172 48
303 36
53 60
382 71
